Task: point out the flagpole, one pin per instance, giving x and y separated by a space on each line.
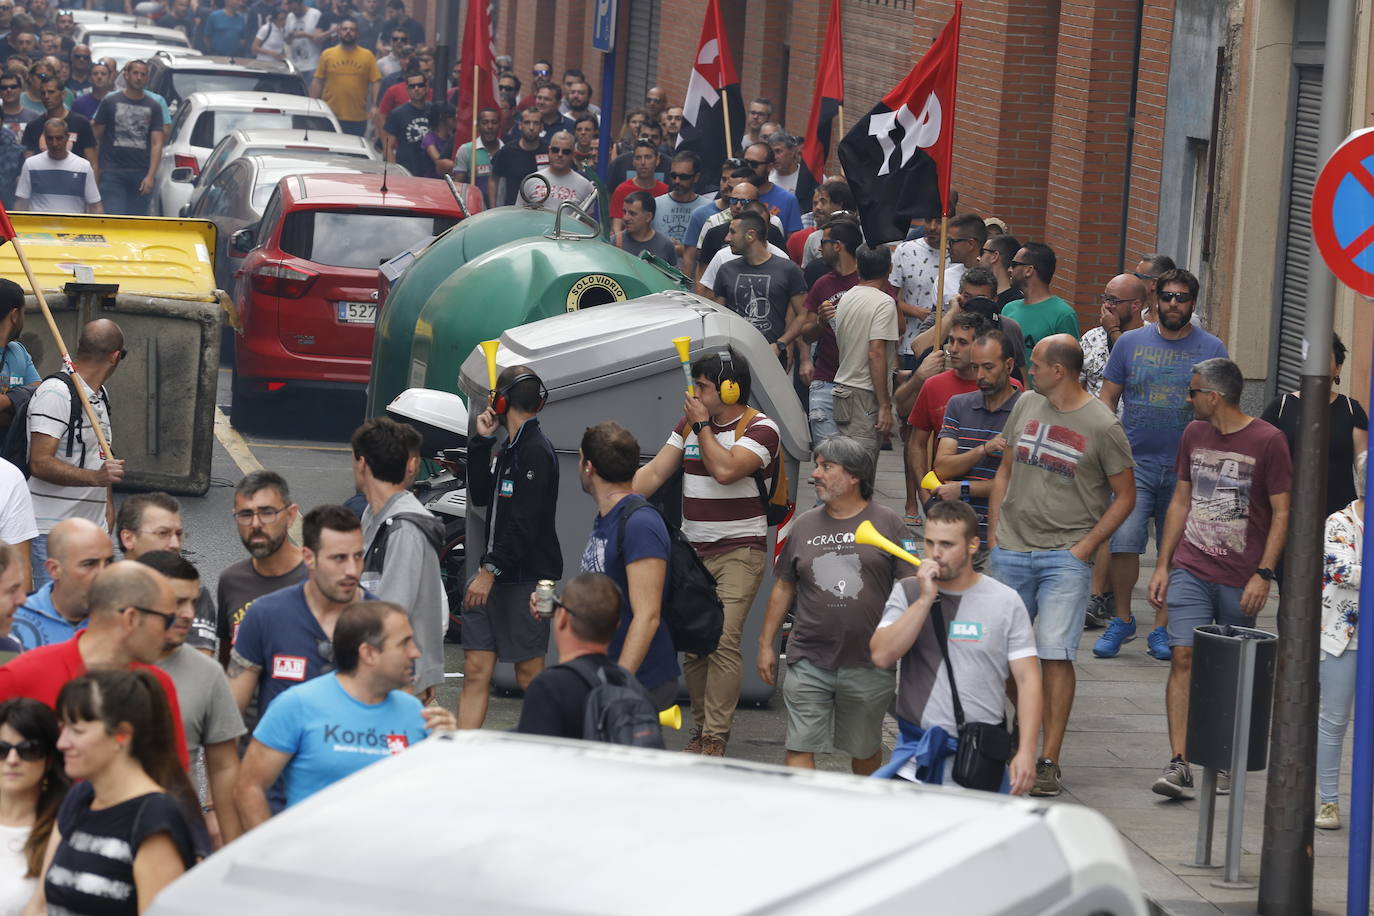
839 118
725 109
472 166
61 347
940 285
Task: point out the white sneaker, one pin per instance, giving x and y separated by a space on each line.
1328 817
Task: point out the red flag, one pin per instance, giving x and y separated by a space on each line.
475 55
825 104
712 79
6 227
896 180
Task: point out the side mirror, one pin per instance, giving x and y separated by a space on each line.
184 174
243 241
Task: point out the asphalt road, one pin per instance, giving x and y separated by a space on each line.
305 439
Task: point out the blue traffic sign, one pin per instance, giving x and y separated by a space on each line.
603 26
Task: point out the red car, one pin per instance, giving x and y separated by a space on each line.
307 292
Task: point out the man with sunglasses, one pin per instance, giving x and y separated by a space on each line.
1148 373
71 478
79 79
507 98
406 126
14 113
132 608
565 182
1039 313
780 202
263 514
1224 532
390 63
398 21
673 211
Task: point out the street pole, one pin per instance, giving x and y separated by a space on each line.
1286 861
607 97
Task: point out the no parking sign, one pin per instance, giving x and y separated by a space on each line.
1343 212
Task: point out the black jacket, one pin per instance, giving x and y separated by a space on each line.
521 489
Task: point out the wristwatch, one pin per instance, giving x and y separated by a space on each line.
697 427
1266 574
491 568
963 488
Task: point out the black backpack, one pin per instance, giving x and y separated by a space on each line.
691 607
618 709
430 527
15 448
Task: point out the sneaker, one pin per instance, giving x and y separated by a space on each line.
1176 781
1158 642
712 746
1118 631
1328 817
1223 782
1047 779
1101 609
694 744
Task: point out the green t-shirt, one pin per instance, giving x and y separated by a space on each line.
1052 316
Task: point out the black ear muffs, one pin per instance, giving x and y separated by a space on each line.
500 398
727 383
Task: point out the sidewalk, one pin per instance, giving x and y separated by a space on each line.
1117 744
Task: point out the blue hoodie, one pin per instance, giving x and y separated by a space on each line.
37 622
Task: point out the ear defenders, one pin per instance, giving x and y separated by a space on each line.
500 398
726 383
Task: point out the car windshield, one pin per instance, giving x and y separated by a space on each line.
185 82
356 238
212 126
134 36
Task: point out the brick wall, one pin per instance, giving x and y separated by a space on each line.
1152 83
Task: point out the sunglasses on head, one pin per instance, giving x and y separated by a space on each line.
29 749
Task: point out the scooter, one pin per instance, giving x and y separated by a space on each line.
441 419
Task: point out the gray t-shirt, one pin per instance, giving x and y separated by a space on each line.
671 216
1061 461
760 293
573 187
411 579
658 245
841 585
988 628
208 711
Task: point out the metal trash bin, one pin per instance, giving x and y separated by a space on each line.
617 362
1212 703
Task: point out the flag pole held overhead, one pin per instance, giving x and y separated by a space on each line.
828 102
711 82
7 230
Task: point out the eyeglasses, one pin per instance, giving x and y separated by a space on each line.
42 76
399 37
167 619
29 749
989 251
1175 297
510 89
163 533
268 514
964 239
1194 392
739 201
541 73
416 85
825 242
561 150
1112 300
81 57
9 87
1020 264
679 176
755 163
1148 278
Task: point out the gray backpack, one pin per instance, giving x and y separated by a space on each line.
618 709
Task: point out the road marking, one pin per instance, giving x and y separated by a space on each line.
243 457
303 448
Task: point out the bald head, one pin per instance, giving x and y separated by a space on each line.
99 339
128 583
73 534
1061 350
1126 286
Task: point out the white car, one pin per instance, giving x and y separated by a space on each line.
267 142
89 32
493 823
123 52
91 17
204 118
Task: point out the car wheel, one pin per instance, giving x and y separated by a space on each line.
244 407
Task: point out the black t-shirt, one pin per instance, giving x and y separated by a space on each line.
239 586
1008 296
80 135
1346 416
555 701
129 123
513 162
409 125
714 241
100 868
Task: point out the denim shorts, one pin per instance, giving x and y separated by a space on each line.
821 412
1154 487
1054 585
1195 603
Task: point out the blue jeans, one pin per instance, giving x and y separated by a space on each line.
1054 586
38 553
1195 603
119 193
1154 487
821 413
1337 676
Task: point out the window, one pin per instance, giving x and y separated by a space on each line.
213 126
356 238
218 198
185 82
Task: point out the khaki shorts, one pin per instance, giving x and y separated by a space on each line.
840 708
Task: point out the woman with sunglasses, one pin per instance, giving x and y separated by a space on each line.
32 786
133 808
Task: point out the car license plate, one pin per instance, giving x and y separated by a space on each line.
357 312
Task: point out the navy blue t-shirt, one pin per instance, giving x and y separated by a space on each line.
646 537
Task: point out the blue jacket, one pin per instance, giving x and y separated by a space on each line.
37 623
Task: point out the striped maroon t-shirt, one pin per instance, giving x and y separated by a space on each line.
716 517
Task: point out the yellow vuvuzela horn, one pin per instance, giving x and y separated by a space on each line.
684 346
671 717
489 348
930 481
867 534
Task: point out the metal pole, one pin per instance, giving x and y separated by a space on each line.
603 151
1206 820
1286 862
1240 760
1362 759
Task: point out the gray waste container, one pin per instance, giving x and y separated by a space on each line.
1212 695
162 396
617 362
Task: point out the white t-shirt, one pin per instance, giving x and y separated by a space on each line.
954 275
573 187
273 39
724 255
863 314
15 889
788 182
49 410
57 185
305 52
17 523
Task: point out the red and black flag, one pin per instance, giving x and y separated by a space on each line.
477 76
712 95
6 227
898 157
825 106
